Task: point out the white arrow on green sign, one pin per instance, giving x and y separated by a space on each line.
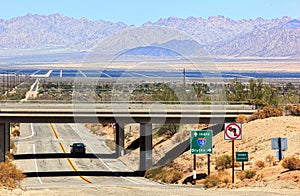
201 142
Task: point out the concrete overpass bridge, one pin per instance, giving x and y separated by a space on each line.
121 113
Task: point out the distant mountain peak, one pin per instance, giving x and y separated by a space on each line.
218 35
295 23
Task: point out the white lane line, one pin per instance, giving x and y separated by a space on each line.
36 167
107 166
32 134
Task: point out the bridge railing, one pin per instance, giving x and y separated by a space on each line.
123 105
2 102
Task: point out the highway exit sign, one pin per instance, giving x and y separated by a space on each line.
201 142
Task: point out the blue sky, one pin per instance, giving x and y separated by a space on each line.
138 12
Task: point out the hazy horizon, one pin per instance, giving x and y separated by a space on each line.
135 12
208 18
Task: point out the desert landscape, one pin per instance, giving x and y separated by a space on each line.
271 178
64 64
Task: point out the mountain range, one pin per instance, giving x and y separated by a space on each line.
219 35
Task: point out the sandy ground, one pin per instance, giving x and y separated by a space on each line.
256 140
173 190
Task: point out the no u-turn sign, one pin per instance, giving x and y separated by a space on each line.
233 131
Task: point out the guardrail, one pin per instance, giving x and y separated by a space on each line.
151 106
133 102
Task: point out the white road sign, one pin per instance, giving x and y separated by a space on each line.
233 131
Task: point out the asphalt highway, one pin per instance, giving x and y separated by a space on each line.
43 154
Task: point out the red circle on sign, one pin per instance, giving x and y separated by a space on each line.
237 135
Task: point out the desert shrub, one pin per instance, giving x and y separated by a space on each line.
291 163
249 174
294 110
10 175
15 133
241 175
224 176
167 130
211 181
153 172
12 145
223 162
15 129
226 180
270 159
171 176
260 164
242 118
128 135
167 175
8 157
266 112
261 113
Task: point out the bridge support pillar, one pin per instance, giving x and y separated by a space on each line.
7 136
145 146
2 142
120 139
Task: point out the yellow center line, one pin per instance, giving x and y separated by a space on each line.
54 132
68 159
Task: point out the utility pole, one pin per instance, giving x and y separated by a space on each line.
184 78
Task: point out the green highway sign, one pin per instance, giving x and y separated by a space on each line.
201 142
241 156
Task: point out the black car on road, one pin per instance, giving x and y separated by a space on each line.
77 148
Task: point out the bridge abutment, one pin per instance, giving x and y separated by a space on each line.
145 146
7 136
4 140
120 139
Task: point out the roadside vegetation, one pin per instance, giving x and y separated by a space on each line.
291 163
167 174
14 88
258 93
166 130
270 100
10 175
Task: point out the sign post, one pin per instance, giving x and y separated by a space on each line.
194 171
200 143
241 157
233 131
232 160
279 144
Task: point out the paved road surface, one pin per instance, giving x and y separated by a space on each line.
49 142
53 174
